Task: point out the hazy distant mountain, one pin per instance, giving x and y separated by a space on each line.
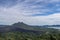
22 27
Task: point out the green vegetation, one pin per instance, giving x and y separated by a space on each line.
29 36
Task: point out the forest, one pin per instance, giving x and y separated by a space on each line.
29 36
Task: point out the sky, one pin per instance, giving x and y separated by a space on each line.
32 12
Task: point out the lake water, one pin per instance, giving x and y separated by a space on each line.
54 27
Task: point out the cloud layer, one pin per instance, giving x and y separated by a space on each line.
32 12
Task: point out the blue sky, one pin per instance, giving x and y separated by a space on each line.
32 12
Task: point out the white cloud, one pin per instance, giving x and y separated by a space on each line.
20 11
43 20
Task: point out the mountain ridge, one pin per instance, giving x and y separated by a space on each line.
22 27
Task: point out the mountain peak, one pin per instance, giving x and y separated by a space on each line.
19 24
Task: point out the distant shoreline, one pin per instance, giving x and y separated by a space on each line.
54 27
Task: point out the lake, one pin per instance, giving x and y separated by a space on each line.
54 27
